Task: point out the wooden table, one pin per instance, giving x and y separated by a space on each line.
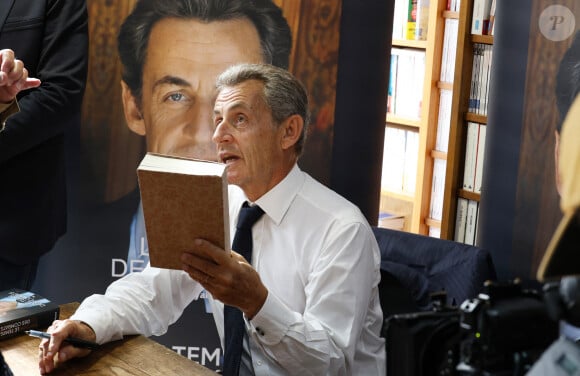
134 355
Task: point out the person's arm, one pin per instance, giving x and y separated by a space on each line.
7 110
338 295
140 303
46 111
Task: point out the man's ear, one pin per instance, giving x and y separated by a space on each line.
132 111
291 130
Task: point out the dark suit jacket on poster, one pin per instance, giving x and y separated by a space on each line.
50 37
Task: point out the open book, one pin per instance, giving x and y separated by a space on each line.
183 199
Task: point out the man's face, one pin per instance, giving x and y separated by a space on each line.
248 141
184 57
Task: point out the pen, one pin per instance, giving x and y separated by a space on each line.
76 342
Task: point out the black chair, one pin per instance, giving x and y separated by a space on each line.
413 267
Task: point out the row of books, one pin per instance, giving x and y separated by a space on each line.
474 157
480 78
405 91
410 19
444 120
483 17
400 153
449 49
466 221
453 5
437 189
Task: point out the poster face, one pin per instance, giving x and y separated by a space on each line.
520 200
104 199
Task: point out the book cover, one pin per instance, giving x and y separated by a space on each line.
411 20
470 156
460 220
183 199
471 222
24 310
480 21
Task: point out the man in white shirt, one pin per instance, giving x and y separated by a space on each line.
310 295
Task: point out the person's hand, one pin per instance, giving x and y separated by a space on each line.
226 275
54 350
13 77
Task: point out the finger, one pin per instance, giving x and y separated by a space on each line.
7 62
17 71
30 83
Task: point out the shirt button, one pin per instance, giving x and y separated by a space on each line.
260 331
259 362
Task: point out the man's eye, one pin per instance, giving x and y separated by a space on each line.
176 97
240 119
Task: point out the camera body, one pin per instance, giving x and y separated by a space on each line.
504 330
501 332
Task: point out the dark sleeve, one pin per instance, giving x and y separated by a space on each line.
47 111
4 369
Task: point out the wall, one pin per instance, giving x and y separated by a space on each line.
519 207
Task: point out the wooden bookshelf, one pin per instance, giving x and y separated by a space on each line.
459 118
418 205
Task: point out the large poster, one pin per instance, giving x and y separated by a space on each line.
520 202
105 197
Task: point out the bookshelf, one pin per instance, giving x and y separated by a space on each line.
461 116
415 205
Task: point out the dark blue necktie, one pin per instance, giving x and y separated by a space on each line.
233 318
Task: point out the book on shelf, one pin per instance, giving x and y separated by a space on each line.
437 189
480 18
471 222
24 310
422 20
392 221
411 19
409 75
410 161
183 199
453 5
470 156
492 16
443 120
400 19
392 84
460 220
400 154
449 50
480 158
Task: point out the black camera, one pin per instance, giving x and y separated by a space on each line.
504 330
501 332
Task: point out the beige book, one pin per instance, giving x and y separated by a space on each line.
183 199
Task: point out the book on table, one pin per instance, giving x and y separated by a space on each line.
22 310
183 199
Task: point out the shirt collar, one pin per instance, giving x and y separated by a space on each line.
277 200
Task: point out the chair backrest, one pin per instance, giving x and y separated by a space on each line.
423 265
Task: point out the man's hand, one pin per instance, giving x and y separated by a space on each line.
55 349
226 275
13 77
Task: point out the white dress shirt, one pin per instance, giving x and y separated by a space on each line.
318 257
